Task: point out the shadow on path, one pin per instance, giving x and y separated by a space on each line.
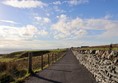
46 79
59 70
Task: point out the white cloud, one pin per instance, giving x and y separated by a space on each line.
78 27
67 28
42 20
24 3
8 21
62 17
76 2
57 2
43 32
57 9
38 18
80 33
60 36
46 20
20 33
111 30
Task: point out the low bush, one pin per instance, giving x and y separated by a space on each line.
6 78
3 66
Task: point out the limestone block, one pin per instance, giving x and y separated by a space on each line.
103 55
116 69
107 62
109 56
115 79
115 60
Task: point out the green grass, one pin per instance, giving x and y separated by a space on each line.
6 59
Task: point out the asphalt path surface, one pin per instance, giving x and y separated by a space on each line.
66 70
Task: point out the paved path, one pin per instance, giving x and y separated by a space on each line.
67 70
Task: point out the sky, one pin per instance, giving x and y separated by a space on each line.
52 24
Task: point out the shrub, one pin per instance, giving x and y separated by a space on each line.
3 66
6 78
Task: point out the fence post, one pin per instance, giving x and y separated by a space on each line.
56 57
30 63
48 59
52 58
42 62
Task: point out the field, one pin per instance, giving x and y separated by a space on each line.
113 47
14 66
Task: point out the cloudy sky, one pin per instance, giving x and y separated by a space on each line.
49 24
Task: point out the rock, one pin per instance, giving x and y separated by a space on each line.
112 54
116 69
115 79
107 62
97 52
109 56
115 60
103 55
113 82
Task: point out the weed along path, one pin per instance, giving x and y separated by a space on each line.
66 70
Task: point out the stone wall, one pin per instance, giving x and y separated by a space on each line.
102 64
